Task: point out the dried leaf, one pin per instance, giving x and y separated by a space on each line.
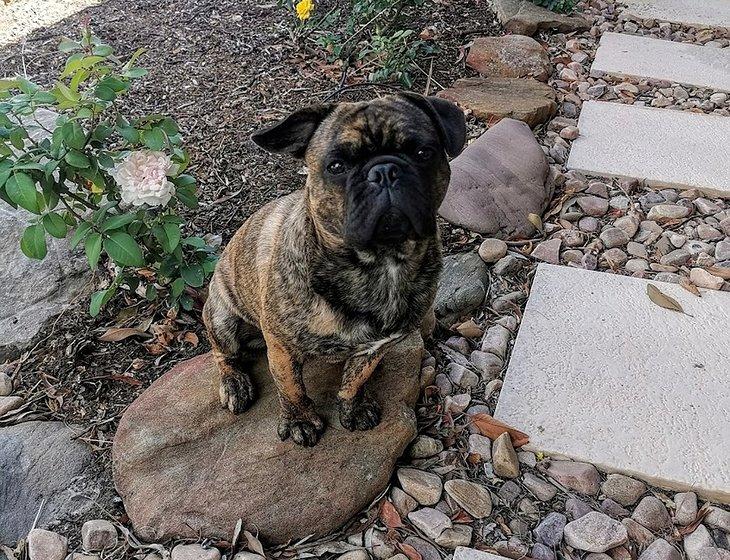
237 533
723 273
409 551
390 516
117 334
535 220
687 284
492 428
190 337
661 299
254 544
470 329
126 379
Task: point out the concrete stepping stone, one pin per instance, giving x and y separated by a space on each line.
643 57
696 13
465 553
601 374
20 17
663 147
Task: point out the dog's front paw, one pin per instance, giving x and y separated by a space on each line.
304 428
359 414
237 393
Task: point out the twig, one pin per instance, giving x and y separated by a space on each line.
428 80
38 515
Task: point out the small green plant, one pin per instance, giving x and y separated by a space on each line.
114 184
560 6
368 35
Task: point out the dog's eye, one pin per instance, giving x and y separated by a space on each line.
336 167
424 154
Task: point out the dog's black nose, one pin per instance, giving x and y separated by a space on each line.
384 174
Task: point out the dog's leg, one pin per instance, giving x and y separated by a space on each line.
235 344
357 412
299 420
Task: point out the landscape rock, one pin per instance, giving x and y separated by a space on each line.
491 250
352 555
424 487
8 404
46 545
685 508
595 532
661 550
623 489
98 534
424 548
576 508
480 445
425 446
614 509
496 340
492 99
487 363
403 502
541 489
696 542
194 552
33 292
509 56
458 535
462 286
666 212
504 459
525 18
496 182
223 463
550 530
474 498
703 279
652 514
638 533
581 477
714 553
431 522
6 384
718 518
548 251
28 453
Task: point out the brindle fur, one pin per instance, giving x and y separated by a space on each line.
289 280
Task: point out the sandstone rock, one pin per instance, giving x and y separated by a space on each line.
46 545
458 535
541 489
474 498
623 489
224 465
548 251
525 18
509 56
6 384
703 279
685 508
194 552
425 487
404 503
33 292
492 99
98 534
652 514
425 446
595 532
504 458
462 286
581 477
696 542
550 530
666 212
638 533
431 522
496 182
491 250
661 550
718 518
8 404
28 453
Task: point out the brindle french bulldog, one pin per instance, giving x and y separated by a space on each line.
342 269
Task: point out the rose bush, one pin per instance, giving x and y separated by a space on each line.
72 159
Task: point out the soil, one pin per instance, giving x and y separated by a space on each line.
222 69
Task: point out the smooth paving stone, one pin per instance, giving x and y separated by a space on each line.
656 377
701 13
642 57
665 148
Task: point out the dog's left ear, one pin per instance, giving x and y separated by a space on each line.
447 117
292 134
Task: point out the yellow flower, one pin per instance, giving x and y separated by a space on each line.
304 9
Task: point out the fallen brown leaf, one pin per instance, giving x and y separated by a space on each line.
470 329
687 284
390 516
493 428
409 551
661 299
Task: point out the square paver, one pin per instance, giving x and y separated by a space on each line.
661 146
464 553
601 374
700 13
643 57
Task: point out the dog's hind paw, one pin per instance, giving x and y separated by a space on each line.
237 393
359 414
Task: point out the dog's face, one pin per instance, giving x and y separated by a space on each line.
378 170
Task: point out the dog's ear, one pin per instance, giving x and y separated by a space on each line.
447 117
292 134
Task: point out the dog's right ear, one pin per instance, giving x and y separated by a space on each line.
292 134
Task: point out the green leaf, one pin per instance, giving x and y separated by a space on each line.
55 225
114 84
81 232
105 93
186 302
154 139
123 249
17 138
102 50
100 299
134 73
173 235
77 159
129 133
21 190
5 170
116 222
186 195
193 274
33 242
74 136
67 45
178 287
44 98
92 247
151 292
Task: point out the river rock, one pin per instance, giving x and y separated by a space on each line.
493 99
595 532
497 182
474 498
28 453
186 467
509 56
462 286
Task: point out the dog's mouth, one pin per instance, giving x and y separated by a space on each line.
388 203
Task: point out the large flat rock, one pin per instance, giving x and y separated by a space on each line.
523 17
185 467
493 99
663 147
20 17
700 13
465 553
498 181
643 57
43 468
601 374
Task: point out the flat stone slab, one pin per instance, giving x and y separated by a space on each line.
20 17
601 374
663 147
464 553
698 13
643 57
